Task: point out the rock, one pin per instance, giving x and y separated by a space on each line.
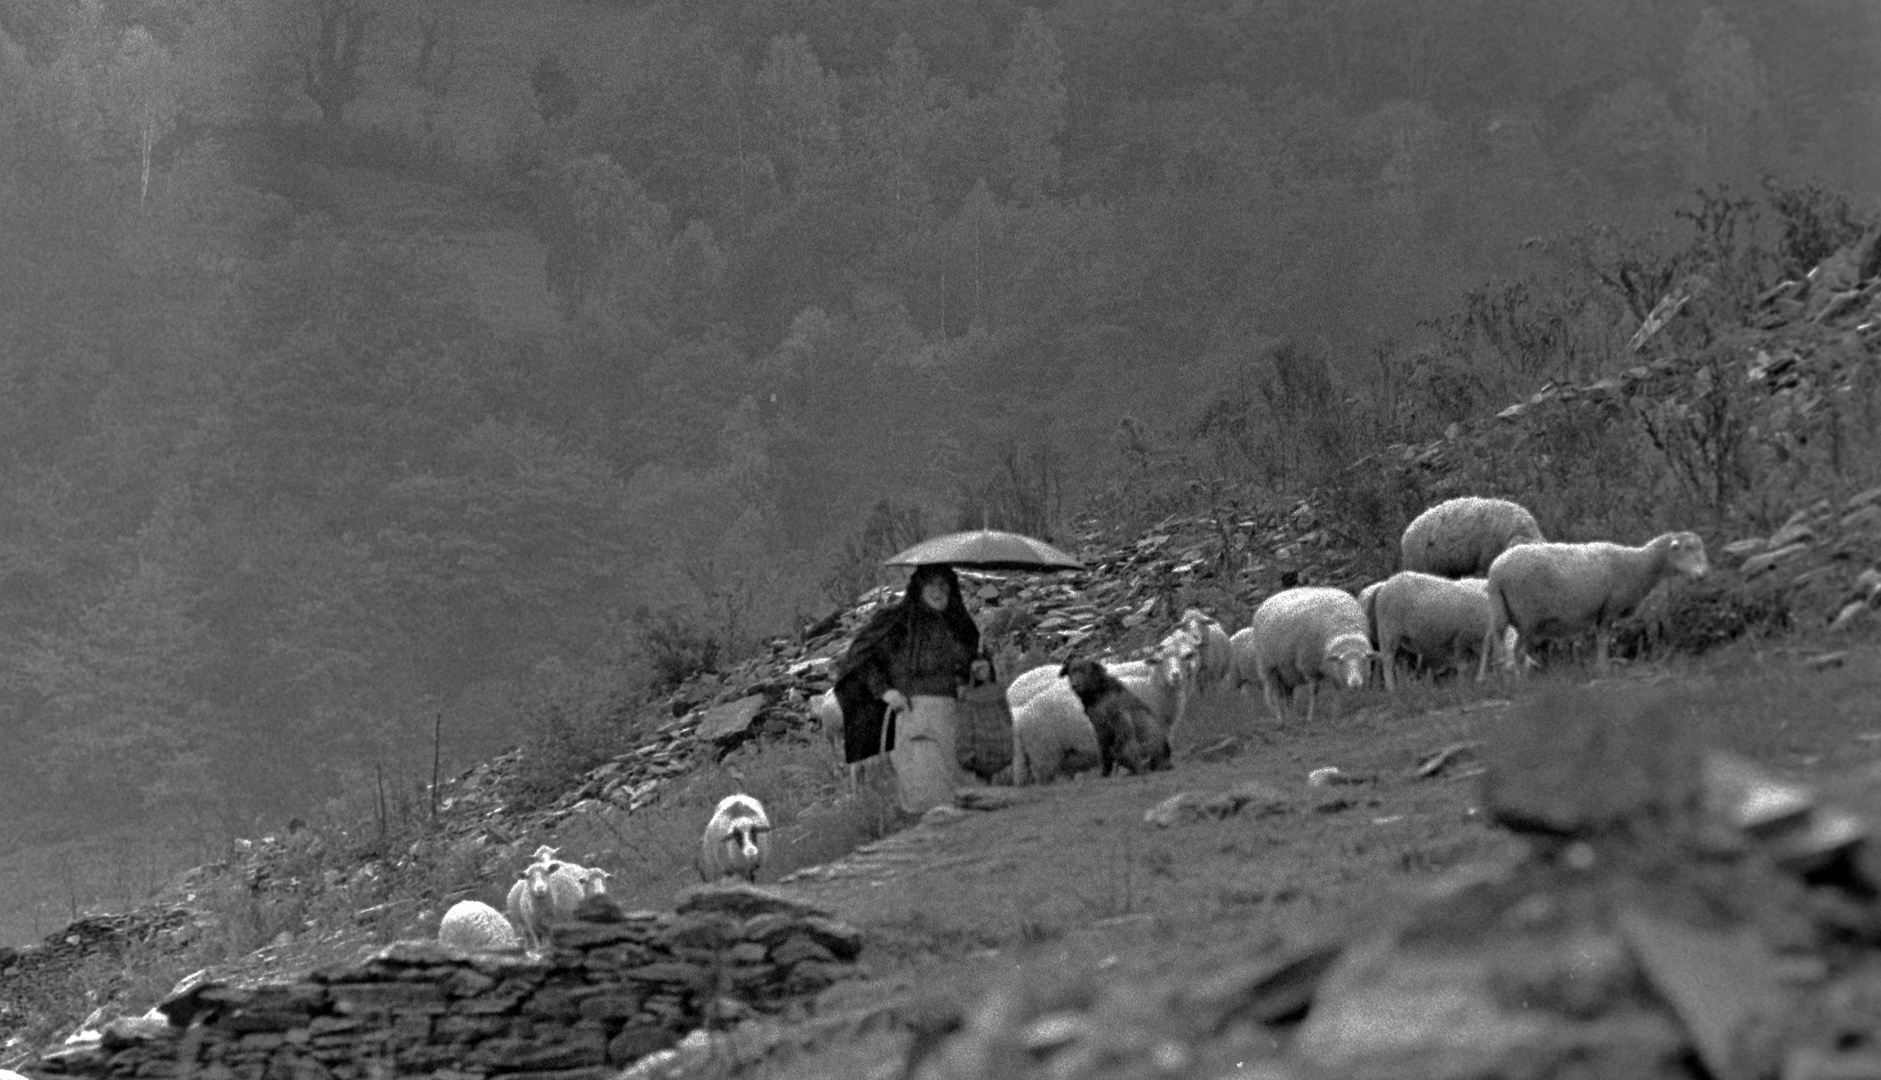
730 720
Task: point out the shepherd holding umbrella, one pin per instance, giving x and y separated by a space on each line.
898 684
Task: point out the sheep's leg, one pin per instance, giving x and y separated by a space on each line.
1600 650
1272 698
1388 660
1312 696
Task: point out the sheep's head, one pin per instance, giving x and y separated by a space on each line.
537 874
1685 553
595 882
743 837
1348 657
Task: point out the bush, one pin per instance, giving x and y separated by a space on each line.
573 728
677 648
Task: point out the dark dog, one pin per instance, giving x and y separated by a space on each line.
1129 733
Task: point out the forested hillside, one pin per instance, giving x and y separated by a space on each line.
369 367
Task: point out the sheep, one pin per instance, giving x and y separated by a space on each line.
1165 681
1556 591
475 926
581 881
829 718
1052 736
1442 621
1215 660
737 840
1299 636
530 905
1129 733
1461 537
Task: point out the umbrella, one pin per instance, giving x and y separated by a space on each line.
986 549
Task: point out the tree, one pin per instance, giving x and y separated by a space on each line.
1031 110
329 44
1723 86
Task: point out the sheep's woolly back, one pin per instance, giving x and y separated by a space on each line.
1302 634
475 926
1051 736
1461 537
737 839
1556 591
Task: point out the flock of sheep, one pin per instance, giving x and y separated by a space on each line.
1479 586
736 842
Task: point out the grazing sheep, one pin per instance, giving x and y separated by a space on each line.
1442 621
1129 733
475 926
530 906
1051 736
1551 592
1299 636
1461 537
737 840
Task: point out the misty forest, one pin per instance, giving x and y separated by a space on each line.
373 370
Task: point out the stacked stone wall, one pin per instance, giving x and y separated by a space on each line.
611 988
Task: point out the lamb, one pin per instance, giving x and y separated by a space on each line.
530 903
737 840
1129 733
475 926
1442 621
1556 591
1299 636
1461 537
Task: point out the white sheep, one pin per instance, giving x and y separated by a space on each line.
737 840
1557 591
829 718
1165 681
1215 660
1461 537
530 903
1441 620
580 882
1051 735
1299 636
475 926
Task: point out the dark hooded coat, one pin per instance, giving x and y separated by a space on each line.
910 647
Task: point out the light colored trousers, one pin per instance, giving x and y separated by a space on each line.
926 771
